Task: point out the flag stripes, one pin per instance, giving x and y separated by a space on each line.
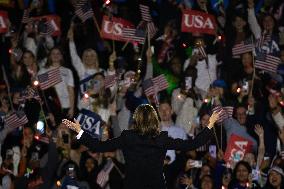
267 62
49 79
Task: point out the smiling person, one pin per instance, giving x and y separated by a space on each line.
144 147
275 178
64 89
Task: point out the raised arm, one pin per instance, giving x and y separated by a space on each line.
253 24
75 59
199 140
261 148
92 143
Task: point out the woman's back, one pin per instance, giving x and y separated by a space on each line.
144 155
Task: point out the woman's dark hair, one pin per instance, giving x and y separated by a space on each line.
275 27
243 163
234 180
146 121
49 62
268 185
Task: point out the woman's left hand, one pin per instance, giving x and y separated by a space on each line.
214 117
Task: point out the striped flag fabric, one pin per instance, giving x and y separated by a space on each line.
49 79
154 85
132 34
146 17
84 10
243 47
145 13
16 119
103 175
47 28
29 93
225 112
265 38
267 62
148 86
152 29
26 16
110 80
161 82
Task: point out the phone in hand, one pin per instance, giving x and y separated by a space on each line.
196 163
40 127
212 151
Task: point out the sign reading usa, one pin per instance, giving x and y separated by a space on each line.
113 28
237 148
3 22
198 22
90 122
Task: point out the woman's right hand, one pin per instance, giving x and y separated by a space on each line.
75 126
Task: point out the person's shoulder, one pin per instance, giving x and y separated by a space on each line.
127 132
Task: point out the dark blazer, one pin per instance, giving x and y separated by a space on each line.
144 155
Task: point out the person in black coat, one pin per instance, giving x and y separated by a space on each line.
144 147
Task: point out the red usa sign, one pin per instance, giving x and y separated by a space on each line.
198 22
3 22
112 28
237 148
54 20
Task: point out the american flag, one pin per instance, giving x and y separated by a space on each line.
26 16
153 85
110 81
49 78
47 29
84 10
202 51
243 47
16 119
29 93
267 62
265 38
145 13
152 29
103 175
225 112
146 17
132 34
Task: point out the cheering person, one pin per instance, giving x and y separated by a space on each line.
144 147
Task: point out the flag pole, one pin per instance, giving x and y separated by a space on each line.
97 25
8 87
253 74
149 39
125 45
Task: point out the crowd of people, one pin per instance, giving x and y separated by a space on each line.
43 153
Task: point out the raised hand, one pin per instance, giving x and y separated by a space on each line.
75 126
214 117
258 130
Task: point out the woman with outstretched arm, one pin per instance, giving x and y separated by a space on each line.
144 147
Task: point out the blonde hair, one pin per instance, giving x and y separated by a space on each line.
146 120
93 52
